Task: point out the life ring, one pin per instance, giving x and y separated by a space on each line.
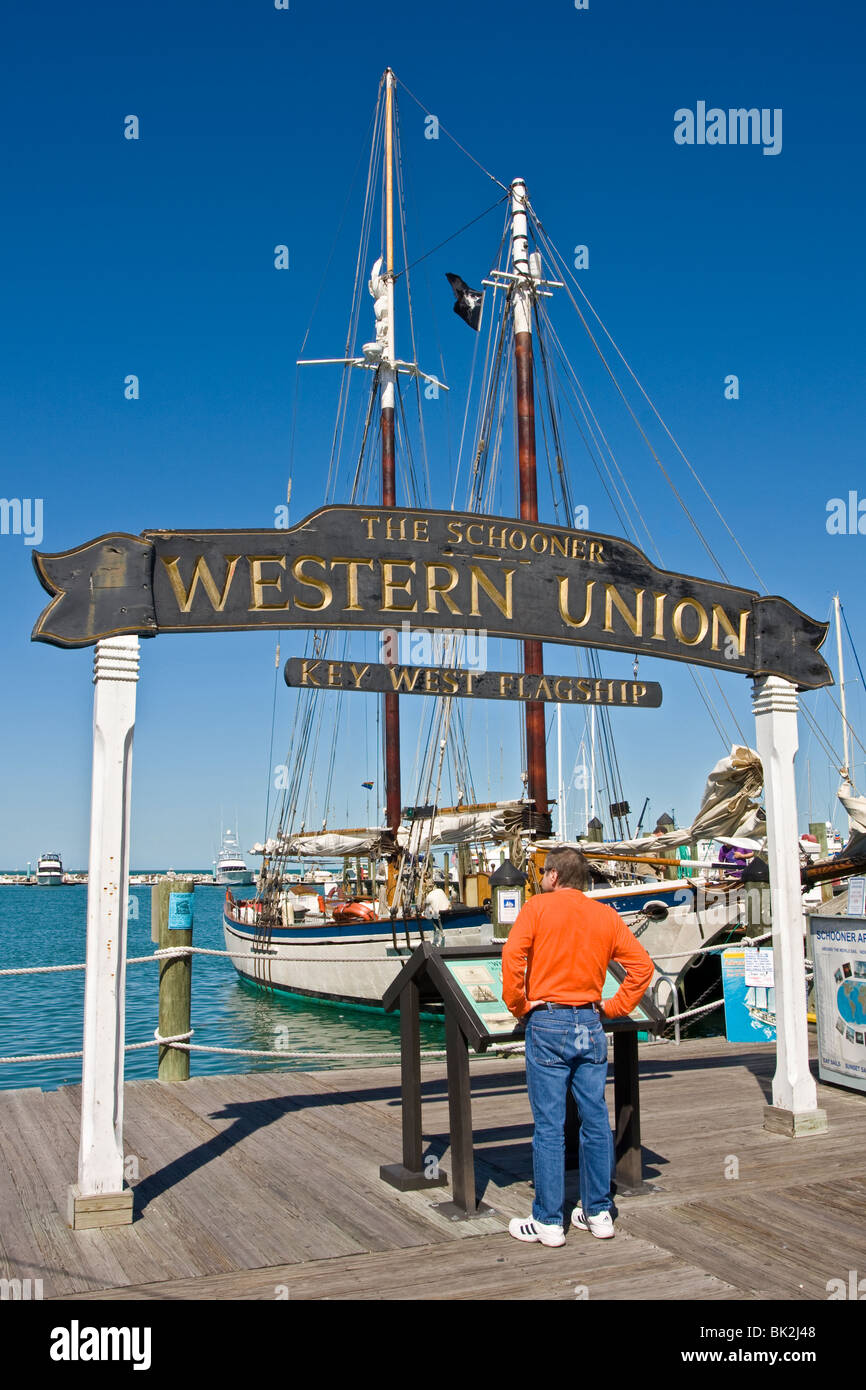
356 912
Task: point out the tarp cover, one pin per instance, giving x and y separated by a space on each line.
728 807
465 828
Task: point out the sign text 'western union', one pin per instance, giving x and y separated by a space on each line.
363 567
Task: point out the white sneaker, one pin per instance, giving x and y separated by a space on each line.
527 1229
600 1225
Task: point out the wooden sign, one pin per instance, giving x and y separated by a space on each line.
316 674
374 567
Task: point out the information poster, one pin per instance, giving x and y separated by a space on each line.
838 950
857 897
180 911
750 1007
481 982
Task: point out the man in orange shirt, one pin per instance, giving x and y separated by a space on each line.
554 966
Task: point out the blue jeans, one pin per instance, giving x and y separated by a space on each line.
567 1047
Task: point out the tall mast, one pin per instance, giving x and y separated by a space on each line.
845 770
536 751
389 479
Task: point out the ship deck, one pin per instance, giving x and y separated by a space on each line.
267 1185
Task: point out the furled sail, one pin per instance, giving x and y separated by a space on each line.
728 807
499 822
338 844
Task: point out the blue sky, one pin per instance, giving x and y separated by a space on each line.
155 257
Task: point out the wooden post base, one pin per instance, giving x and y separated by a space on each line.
405 1180
794 1124
100 1209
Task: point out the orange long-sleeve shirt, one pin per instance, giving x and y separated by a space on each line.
559 949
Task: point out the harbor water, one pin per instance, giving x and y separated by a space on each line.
44 1013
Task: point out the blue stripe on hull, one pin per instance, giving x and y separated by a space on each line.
324 932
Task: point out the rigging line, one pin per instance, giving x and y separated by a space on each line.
480 415
853 648
710 707
718 684
490 426
452 237
664 426
639 427
505 188
629 525
273 729
401 198
585 406
821 737
370 408
490 382
829 693
355 310
332 253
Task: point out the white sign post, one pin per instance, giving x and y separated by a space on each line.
794 1110
99 1198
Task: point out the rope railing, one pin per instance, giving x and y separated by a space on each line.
181 1040
167 952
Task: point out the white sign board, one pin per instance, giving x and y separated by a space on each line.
838 950
857 897
759 968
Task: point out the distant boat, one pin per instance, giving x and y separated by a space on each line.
49 871
230 869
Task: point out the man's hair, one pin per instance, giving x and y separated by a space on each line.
571 866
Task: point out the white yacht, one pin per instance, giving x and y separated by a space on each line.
230 869
49 871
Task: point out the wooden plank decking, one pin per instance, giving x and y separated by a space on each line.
266 1185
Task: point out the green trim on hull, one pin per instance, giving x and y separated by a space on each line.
332 999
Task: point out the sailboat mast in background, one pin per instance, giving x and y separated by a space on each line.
522 295
388 375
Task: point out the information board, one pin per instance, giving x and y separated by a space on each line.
750 1008
480 982
857 897
838 950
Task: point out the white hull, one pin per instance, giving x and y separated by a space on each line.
320 961
354 969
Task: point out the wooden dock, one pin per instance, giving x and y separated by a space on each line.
265 1185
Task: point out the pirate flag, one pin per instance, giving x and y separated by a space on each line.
467 302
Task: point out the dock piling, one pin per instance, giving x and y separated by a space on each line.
172 913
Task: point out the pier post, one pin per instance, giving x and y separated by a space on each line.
794 1110
99 1198
171 910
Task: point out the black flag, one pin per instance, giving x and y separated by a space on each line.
467 302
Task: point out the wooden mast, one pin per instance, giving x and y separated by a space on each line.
536 749
393 809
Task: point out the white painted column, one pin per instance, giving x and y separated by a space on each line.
99 1198
794 1110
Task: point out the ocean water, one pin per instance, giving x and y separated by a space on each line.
44 1013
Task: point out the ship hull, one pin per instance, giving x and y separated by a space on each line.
351 964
